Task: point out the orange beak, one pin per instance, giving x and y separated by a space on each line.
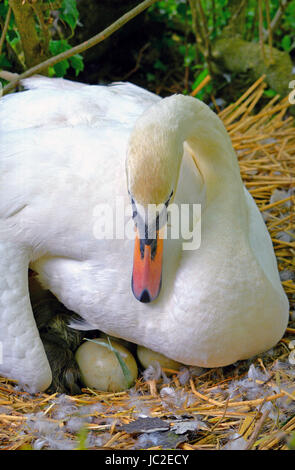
147 268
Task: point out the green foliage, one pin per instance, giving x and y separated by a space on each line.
269 93
60 69
69 13
287 43
207 89
59 37
4 62
56 47
177 36
177 15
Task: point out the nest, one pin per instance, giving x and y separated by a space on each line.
248 405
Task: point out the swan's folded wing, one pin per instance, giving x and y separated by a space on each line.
62 103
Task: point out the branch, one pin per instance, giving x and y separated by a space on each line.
81 47
267 8
204 27
214 16
25 22
39 12
276 20
236 23
200 40
260 6
8 76
257 429
137 64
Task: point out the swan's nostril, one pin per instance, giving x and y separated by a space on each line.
145 297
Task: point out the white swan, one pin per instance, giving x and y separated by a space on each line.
63 148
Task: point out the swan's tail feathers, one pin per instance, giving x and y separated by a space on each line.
81 324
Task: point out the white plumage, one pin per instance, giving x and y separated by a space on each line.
63 148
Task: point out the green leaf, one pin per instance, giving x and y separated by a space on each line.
4 62
51 72
291 442
286 43
77 63
69 13
82 439
26 447
56 47
125 369
190 55
200 78
13 37
159 65
150 77
270 93
61 68
181 9
3 10
182 49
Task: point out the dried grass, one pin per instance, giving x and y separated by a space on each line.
248 405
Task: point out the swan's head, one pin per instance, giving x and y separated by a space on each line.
153 163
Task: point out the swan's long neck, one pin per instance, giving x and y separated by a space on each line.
162 131
212 148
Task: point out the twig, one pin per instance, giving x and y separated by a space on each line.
204 397
205 31
214 16
81 47
138 60
254 23
257 429
201 85
221 417
254 419
186 68
5 28
200 40
18 65
38 9
276 19
269 29
260 6
8 76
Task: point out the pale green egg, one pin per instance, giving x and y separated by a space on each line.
147 357
100 368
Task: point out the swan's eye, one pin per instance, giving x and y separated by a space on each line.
168 200
134 210
157 222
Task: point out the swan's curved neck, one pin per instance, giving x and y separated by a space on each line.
156 148
193 122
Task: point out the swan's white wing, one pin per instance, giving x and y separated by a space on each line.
261 243
62 103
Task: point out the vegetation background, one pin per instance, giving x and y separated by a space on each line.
174 46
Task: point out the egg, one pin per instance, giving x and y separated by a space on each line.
147 357
100 368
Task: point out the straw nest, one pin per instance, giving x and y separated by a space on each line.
249 405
